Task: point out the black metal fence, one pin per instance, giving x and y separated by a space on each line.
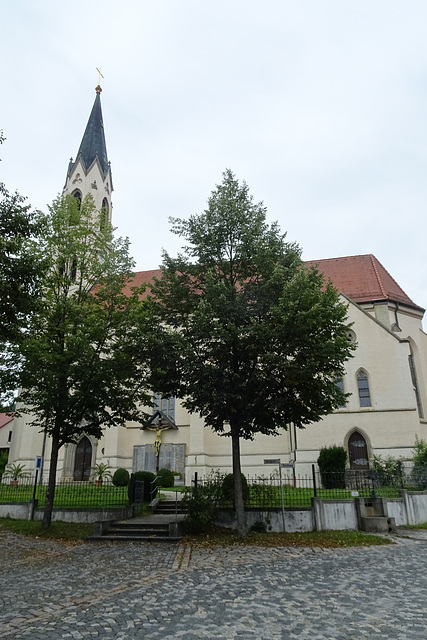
298 490
261 492
68 494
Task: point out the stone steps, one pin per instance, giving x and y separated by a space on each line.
169 507
155 528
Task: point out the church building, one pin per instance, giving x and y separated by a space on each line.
386 378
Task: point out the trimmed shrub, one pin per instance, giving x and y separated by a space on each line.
147 478
121 478
3 462
331 462
201 503
419 472
200 506
228 488
166 478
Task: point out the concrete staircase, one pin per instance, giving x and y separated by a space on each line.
138 530
168 507
163 525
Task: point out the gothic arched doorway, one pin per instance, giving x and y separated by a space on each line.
358 451
83 460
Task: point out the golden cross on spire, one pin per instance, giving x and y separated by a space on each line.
98 88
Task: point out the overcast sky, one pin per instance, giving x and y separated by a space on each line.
320 105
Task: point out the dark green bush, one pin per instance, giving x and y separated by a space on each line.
166 478
228 488
147 478
121 478
259 527
200 505
3 461
419 472
332 461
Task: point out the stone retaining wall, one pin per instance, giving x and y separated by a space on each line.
410 508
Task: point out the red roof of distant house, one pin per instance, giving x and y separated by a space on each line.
142 277
4 419
361 278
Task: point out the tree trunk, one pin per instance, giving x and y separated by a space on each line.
237 476
50 495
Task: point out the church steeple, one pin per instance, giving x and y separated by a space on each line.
91 170
93 145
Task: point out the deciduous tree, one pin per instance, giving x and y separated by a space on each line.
258 339
21 266
83 352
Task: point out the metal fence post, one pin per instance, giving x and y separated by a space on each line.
281 495
35 484
314 480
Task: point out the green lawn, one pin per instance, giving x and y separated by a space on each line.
88 495
66 531
72 495
270 496
323 539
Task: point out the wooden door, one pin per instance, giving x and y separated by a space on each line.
358 451
83 460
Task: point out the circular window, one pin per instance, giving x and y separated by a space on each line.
351 336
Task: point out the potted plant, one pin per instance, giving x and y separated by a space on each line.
102 471
15 471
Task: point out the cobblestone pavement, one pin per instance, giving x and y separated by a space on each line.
156 591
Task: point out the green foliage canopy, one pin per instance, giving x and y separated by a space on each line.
84 364
21 267
258 337
256 340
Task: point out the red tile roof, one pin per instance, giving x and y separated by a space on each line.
4 419
142 277
363 279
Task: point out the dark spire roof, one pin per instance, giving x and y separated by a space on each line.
93 142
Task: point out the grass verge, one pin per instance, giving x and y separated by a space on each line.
324 539
77 532
64 531
415 526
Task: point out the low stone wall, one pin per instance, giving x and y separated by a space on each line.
15 510
295 519
410 508
396 509
419 506
28 511
335 515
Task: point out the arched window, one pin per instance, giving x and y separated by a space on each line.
164 404
105 214
83 460
78 196
358 451
363 387
339 382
